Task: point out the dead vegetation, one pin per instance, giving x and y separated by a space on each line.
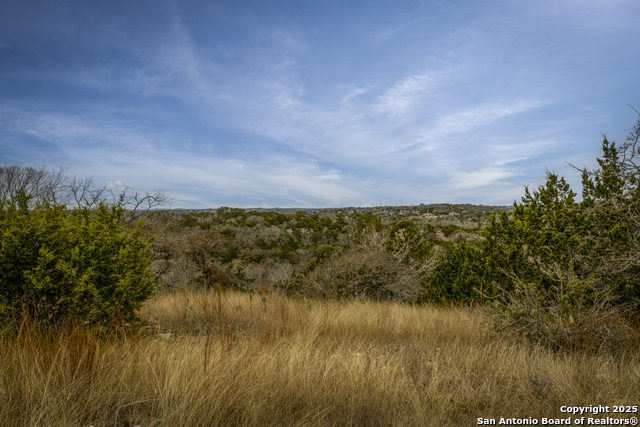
227 358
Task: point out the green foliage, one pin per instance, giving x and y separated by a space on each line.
226 212
456 277
274 218
597 238
189 221
61 267
192 220
272 244
368 220
558 272
322 254
292 285
545 230
241 280
448 230
611 204
410 243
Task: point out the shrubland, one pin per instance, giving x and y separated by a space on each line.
275 302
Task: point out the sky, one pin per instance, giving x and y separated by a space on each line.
317 103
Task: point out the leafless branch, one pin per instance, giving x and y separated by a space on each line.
84 194
139 203
53 186
42 184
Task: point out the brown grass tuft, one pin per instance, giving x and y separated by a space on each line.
219 358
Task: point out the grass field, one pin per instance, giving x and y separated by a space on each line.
209 359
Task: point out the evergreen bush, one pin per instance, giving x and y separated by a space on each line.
60 267
560 272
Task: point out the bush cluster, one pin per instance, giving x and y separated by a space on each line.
59 267
557 270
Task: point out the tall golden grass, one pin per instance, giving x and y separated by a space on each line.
214 359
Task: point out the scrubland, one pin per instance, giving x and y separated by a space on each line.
428 315
230 358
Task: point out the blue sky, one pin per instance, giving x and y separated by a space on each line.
317 103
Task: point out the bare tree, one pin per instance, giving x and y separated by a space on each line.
139 203
84 193
42 184
54 186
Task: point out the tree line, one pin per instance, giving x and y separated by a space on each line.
556 270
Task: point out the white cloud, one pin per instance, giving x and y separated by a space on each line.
482 115
432 131
504 154
479 178
354 93
117 185
405 94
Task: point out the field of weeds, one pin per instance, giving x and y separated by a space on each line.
216 358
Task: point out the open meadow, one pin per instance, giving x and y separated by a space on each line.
234 359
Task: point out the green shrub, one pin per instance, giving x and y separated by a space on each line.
448 230
457 275
569 271
61 267
549 229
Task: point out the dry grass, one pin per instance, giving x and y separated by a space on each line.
229 359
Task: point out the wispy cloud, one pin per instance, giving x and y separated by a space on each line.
405 94
480 178
289 106
117 185
481 115
354 93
